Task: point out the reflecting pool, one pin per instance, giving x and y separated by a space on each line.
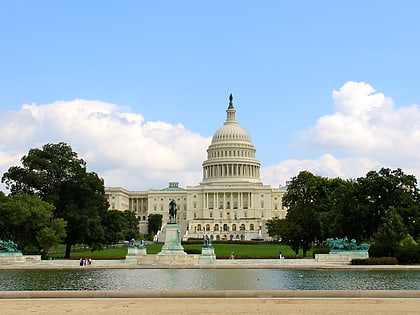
208 279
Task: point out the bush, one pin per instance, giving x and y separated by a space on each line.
376 261
192 251
376 250
408 254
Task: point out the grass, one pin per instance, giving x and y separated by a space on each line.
222 250
108 253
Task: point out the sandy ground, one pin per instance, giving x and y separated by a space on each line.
210 306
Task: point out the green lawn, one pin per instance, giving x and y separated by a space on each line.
109 253
222 250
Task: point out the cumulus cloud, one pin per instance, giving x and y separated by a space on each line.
366 123
326 165
365 131
366 128
119 145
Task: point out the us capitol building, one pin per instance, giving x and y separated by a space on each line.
230 203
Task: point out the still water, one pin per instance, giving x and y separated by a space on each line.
208 279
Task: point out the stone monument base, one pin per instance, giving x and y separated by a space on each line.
207 256
172 244
172 252
133 253
342 257
11 258
354 254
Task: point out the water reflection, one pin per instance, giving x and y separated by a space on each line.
208 279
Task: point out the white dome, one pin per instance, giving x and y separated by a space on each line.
231 155
231 131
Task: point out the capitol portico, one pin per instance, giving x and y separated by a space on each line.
230 203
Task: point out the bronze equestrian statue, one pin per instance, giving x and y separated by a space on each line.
172 211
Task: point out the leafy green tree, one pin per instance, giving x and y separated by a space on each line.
52 235
154 223
28 220
391 231
121 225
389 188
301 198
59 177
275 228
285 231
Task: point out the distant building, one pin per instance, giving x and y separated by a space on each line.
230 203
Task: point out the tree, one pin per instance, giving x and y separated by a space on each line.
285 231
29 222
303 193
154 223
380 190
275 228
121 226
52 235
391 231
59 177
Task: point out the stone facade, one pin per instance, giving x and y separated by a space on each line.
231 202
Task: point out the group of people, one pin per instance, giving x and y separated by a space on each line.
85 261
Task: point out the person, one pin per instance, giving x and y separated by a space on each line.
281 256
81 261
232 255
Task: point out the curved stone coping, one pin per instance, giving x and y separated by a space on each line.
287 267
301 264
202 294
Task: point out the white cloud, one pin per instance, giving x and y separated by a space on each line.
117 144
366 123
327 165
365 132
367 129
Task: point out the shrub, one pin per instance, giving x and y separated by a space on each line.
376 261
192 251
377 250
408 254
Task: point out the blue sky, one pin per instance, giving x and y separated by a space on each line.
156 75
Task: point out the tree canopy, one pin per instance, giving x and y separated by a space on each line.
383 208
58 176
28 221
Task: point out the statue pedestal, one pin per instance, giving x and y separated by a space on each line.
172 244
133 253
11 257
354 254
207 256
